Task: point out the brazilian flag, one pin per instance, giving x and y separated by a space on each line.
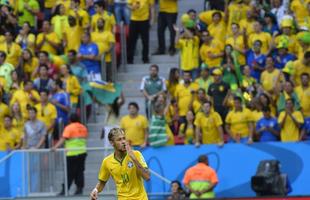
105 92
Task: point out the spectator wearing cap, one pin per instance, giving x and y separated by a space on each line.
239 123
219 92
72 34
271 77
142 15
267 128
205 79
236 40
48 40
217 28
12 49
168 12
287 36
256 60
201 179
188 43
27 10
135 126
184 93
264 37
211 51
282 56
303 93
290 121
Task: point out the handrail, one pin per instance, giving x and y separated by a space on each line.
123 66
103 67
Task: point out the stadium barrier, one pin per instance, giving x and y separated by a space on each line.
123 37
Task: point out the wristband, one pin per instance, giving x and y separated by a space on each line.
95 190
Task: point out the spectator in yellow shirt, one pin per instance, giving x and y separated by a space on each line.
28 63
60 20
299 67
10 134
264 37
18 120
288 36
299 7
4 110
209 126
303 94
72 35
135 126
173 81
12 49
101 12
237 41
25 38
247 24
187 129
80 14
239 123
217 28
290 121
48 40
211 51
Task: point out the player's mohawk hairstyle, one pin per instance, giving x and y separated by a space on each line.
113 132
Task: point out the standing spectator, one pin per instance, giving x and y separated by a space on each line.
135 126
184 93
267 128
290 121
25 38
47 114
34 131
4 110
196 102
59 20
255 59
219 91
279 9
78 69
209 126
173 81
142 14
167 17
177 191
43 82
101 12
25 97
11 48
5 71
88 54
201 179
75 137
10 135
271 25
287 93
122 12
299 67
204 80
7 18
80 14
61 100
264 37
72 35
217 28
71 86
48 40
211 51
187 129
151 86
45 60
105 40
28 63
18 120
288 37
27 10
239 123
188 43
247 24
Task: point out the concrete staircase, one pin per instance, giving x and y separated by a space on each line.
131 82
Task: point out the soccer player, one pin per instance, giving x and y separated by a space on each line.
127 168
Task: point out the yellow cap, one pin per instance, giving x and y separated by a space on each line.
185 18
217 72
286 23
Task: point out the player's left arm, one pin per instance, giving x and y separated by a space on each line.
143 171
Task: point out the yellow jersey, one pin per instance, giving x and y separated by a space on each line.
4 110
168 6
299 7
142 13
239 122
134 128
73 88
237 12
13 53
264 37
189 53
216 47
206 16
103 40
10 137
189 133
30 66
290 132
271 80
108 18
184 96
82 14
31 39
46 114
218 31
129 184
73 35
292 43
237 42
299 68
247 25
303 95
52 36
209 127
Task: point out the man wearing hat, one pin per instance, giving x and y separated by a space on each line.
304 43
218 91
291 40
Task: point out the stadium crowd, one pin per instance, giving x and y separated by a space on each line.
243 76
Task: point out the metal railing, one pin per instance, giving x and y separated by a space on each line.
44 171
123 66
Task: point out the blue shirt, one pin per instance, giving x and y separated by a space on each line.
92 66
62 98
266 136
251 58
283 60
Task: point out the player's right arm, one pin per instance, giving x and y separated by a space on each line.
99 187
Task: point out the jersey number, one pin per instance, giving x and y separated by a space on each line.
125 178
